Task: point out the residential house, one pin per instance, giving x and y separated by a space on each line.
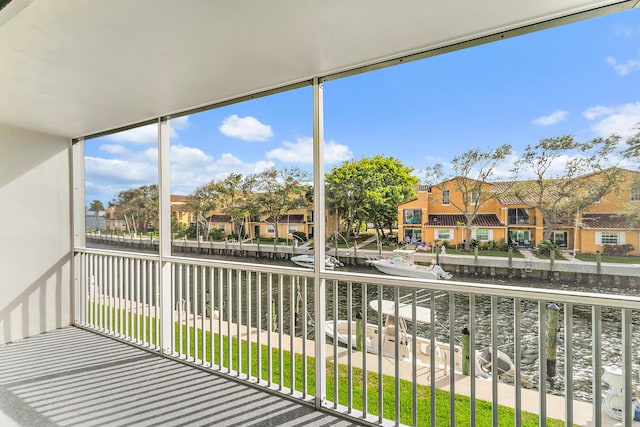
436 215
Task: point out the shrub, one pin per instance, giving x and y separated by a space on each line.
545 247
501 245
617 250
216 235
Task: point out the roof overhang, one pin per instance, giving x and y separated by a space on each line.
76 67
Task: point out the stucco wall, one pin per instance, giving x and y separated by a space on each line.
35 246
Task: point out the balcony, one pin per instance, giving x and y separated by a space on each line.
72 376
96 337
266 328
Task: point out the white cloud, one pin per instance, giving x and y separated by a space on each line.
245 128
113 148
190 168
551 119
119 170
622 69
141 135
620 119
148 134
593 113
179 123
301 151
627 31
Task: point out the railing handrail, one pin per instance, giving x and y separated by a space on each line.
555 295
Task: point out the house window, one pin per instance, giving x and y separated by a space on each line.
518 216
610 238
271 229
412 216
292 229
412 235
474 196
482 235
635 193
443 234
445 197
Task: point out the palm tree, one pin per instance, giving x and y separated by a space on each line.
96 207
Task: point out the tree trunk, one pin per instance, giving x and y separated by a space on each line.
467 241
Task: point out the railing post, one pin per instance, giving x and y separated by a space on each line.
164 243
319 246
78 238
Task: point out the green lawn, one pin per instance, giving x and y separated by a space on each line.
481 252
295 364
606 258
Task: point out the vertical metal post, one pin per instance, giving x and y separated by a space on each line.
414 358
319 244
596 336
212 275
472 354
432 354
517 353
365 371
164 245
542 366
627 372
259 325
380 359
494 358
305 334
249 277
568 363
349 347
452 358
78 232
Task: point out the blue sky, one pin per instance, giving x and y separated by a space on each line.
581 79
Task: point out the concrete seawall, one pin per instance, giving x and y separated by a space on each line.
588 273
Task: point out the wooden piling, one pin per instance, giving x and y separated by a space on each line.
359 332
466 361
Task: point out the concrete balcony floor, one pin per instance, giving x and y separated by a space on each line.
73 377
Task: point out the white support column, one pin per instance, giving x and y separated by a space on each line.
79 237
164 192
319 241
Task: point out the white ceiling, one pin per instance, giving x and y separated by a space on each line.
76 67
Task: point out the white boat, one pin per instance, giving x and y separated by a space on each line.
347 335
306 260
401 264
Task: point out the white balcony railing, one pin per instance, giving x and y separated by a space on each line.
400 339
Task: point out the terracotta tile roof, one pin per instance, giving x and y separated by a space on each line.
179 198
451 220
516 192
605 221
426 188
292 218
219 218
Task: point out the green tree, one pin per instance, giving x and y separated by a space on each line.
233 199
370 189
630 212
96 207
472 171
137 206
201 203
568 176
274 192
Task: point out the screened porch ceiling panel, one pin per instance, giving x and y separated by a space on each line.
76 67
